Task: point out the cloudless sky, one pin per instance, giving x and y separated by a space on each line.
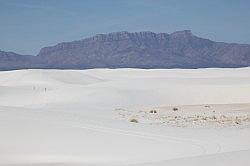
28 25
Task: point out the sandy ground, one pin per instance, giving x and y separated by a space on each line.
73 118
206 115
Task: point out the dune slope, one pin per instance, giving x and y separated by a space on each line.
67 117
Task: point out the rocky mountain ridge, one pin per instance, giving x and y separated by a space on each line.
180 49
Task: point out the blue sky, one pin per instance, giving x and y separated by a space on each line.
28 25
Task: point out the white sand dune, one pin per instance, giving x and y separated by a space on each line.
67 117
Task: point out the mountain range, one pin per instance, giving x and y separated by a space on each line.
148 50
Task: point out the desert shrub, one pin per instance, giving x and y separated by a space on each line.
175 109
134 121
153 111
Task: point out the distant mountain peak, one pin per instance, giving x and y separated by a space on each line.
182 33
180 49
122 36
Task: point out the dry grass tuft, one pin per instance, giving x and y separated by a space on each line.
134 121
